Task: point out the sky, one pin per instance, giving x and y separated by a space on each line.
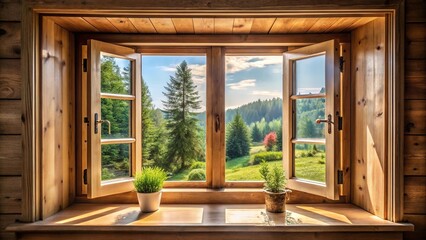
248 78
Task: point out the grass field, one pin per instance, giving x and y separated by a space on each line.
238 169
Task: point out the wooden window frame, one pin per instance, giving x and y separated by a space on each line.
95 186
31 56
331 50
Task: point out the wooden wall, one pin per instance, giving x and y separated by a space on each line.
369 116
10 115
58 123
415 118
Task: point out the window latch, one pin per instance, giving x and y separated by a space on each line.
328 121
85 176
97 121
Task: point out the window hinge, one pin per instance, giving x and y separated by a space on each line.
342 61
339 123
85 65
339 176
85 176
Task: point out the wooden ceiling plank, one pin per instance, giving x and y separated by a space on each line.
361 21
341 24
242 25
203 25
223 25
123 25
102 24
163 25
322 25
262 25
143 25
281 25
74 24
183 25
302 25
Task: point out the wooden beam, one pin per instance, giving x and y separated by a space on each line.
216 40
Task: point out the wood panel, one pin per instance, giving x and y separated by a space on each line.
10 195
6 220
415 50
368 134
101 23
262 25
183 25
75 24
10 10
415 79
242 25
415 11
10 38
419 222
10 116
204 25
415 116
10 155
10 79
415 155
124 25
57 118
223 25
143 25
415 195
163 25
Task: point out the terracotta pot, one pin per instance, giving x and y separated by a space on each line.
149 202
275 202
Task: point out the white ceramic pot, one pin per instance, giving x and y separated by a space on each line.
149 202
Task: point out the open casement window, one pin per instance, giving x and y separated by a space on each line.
310 119
114 94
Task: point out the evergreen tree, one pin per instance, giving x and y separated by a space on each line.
182 102
256 135
280 139
147 124
237 138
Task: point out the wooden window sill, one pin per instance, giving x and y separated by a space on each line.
210 218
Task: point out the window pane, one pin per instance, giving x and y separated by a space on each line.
253 101
310 75
115 75
117 112
115 161
307 111
309 162
174 115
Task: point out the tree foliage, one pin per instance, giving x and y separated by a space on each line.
182 102
237 138
270 141
256 135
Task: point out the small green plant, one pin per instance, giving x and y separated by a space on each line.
265 156
106 174
197 175
150 180
275 180
198 165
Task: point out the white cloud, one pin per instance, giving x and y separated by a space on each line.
240 63
243 84
198 72
267 93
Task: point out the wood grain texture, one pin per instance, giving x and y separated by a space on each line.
10 79
74 24
415 79
10 10
415 155
10 155
6 220
183 25
143 25
419 222
368 134
163 25
415 116
102 24
242 25
415 11
415 195
10 38
10 195
262 25
10 116
124 25
203 25
57 118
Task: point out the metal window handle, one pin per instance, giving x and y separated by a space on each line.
328 121
217 123
100 121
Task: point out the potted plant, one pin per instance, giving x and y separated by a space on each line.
148 185
275 187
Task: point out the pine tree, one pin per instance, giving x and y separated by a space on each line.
182 102
280 139
256 135
237 138
147 124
